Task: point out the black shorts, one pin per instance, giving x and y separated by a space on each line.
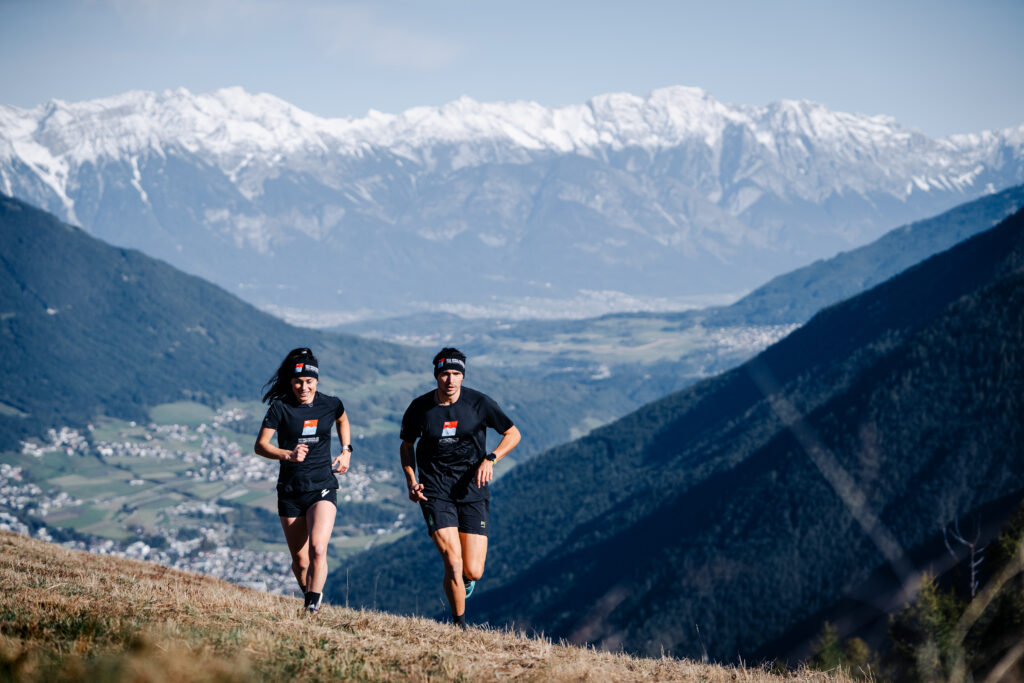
471 518
296 504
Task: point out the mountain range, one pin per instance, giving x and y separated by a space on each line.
912 387
718 518
486 207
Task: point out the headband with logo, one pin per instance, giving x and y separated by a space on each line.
443 364
306 370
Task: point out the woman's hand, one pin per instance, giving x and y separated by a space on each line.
298 454
340 465
416 493
485 472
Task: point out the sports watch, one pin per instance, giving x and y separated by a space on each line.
491 456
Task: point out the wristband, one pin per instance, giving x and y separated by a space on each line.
346 447
491 456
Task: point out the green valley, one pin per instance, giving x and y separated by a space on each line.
185 490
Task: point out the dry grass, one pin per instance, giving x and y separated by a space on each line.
68 615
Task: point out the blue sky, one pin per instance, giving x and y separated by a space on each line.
943 66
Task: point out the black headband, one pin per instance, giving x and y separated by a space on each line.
306 370
443 364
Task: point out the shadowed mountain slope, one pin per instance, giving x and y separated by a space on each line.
754 499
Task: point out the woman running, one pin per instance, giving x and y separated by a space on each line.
307 491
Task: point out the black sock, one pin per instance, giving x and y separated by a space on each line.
312 598
460 620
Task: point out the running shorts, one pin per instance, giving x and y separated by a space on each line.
296 504
471 518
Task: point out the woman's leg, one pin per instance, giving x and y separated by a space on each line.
320 521
297 537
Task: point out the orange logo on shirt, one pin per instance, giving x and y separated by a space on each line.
309 427
449 428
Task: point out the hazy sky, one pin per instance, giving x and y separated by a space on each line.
944 66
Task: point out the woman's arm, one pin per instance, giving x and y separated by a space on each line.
267 450
341 463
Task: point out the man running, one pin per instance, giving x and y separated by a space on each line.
454 468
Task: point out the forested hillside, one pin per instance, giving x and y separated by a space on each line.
752 500
89 328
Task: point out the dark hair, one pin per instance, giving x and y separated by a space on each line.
280 382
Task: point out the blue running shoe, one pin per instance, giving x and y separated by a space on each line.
470 585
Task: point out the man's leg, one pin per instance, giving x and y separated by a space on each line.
474 525
320 521
474 555
297 537
447 541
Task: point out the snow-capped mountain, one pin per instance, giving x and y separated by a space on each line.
670 195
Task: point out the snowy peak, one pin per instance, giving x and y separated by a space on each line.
223 122
231 121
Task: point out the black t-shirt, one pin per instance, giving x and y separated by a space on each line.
452 442
309 424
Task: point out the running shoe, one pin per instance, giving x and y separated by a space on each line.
313 601
470 585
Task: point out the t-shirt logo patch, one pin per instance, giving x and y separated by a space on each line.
309 428
449 428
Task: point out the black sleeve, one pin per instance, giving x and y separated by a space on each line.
494 416
411 424
273 417
339 410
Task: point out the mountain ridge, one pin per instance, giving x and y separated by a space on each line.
675 194
231 124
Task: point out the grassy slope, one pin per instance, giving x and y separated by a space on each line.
70 615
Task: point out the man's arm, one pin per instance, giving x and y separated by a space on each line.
509 440
409 469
